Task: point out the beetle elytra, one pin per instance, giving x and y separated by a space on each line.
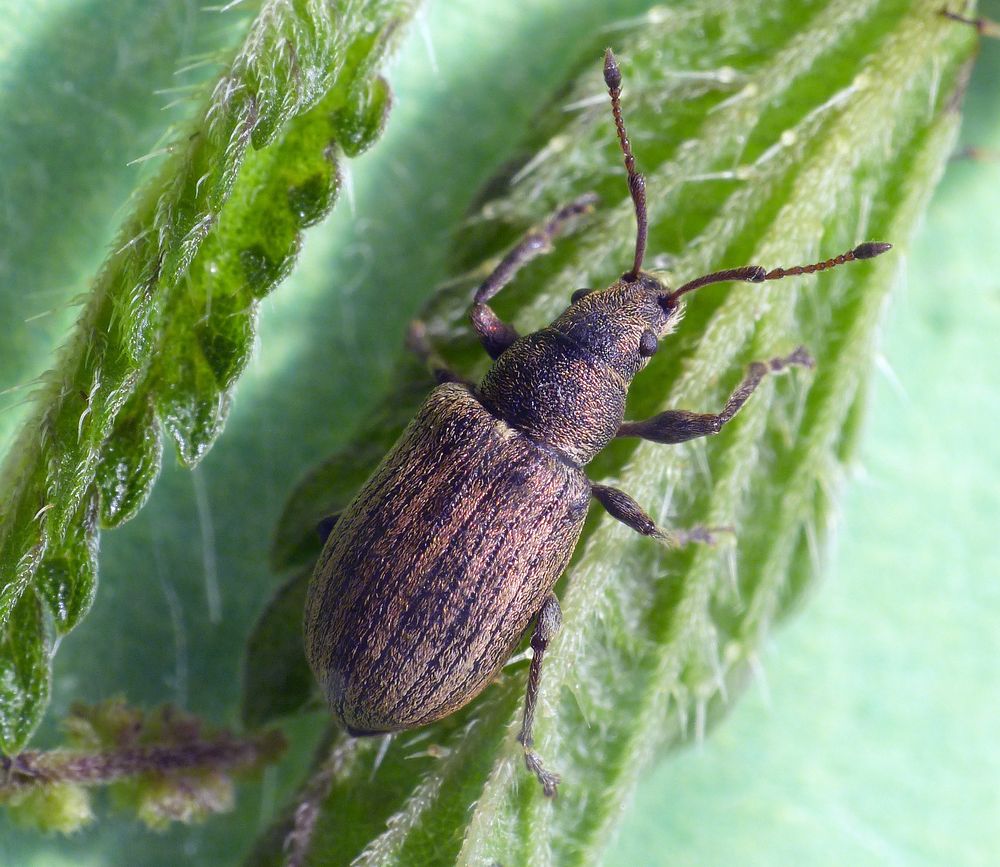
434 572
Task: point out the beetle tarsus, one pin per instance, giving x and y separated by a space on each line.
982 26
623 508
549 780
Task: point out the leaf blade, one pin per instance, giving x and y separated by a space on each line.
510 819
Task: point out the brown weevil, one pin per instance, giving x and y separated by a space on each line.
432 574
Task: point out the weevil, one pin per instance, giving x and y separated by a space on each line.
432 575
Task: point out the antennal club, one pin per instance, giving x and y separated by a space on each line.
636 182
756 274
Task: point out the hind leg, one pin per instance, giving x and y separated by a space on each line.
547 624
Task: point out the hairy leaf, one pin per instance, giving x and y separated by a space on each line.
24 668
777 133
170 319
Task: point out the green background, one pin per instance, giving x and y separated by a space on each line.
879 740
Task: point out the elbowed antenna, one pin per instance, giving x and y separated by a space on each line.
636 182
756 274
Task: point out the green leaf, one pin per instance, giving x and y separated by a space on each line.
130 463
25 671
67 577
792 134
170 320
276 677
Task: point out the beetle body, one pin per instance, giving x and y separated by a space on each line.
431 575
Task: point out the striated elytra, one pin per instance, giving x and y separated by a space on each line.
434 572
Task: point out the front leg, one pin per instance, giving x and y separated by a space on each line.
622 507
495 334
678 425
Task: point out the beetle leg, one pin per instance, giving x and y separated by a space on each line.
325 525
678 425
419 344
495 334
547 624
622 507
533 244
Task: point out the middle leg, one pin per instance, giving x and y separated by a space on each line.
622 507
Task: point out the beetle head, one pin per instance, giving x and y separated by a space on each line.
643 308
621 326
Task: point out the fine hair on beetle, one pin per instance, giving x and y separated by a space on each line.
433 573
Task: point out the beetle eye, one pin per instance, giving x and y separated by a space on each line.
580 293
648 344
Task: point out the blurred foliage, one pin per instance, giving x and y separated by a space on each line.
165 766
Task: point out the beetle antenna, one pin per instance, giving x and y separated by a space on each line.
756 274
636 182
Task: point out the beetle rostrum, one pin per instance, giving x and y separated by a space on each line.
431 576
